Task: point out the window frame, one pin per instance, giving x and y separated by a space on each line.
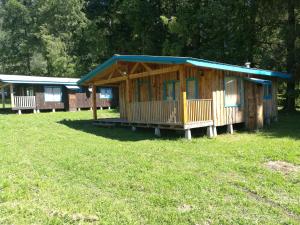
240 91
52 87
196 87
138 85
270 95
165 83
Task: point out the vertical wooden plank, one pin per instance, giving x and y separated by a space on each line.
94 101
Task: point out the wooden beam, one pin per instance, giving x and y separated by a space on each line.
12 100
94 101
146 67
127 100
112 80
182 77
134 68
155 72
139 75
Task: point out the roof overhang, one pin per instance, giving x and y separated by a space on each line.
179 60
22 79
73 87
258 81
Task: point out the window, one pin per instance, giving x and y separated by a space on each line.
267 91
191 88
29 91
171 90
143 90
233 91
106 93
53 94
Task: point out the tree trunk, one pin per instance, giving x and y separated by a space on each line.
290 42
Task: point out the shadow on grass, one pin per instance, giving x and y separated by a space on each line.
6 111
287 126
121 133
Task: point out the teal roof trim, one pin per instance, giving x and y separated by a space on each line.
180 60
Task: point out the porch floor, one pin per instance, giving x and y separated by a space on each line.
110 122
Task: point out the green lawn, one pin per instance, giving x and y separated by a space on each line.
57 168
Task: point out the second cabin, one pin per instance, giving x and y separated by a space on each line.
184 93
37 93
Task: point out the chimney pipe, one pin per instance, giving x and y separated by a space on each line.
248 64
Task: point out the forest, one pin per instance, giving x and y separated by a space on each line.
69 38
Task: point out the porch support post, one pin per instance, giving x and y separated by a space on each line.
183 95
157 132
94 101
3 97
230 128
210 132
215 131
12 100
127 98
188 134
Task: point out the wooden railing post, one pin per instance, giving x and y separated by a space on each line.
183 95
94 101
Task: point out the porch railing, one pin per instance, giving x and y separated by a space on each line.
169 112
24 102
199 110
156 112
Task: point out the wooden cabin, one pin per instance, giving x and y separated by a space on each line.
34 93
185 93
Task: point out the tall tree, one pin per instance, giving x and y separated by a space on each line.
291 51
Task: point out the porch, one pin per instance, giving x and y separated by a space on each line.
165 115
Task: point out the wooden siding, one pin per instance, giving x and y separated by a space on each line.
254 117
210 85
222 114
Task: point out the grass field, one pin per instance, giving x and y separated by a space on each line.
57 168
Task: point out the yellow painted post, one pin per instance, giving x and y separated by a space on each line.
94 101
183 95
184 108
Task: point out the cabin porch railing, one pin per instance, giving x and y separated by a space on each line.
199 110
169 112
156 112
24 102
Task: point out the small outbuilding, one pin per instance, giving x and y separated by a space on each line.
38 93
183 93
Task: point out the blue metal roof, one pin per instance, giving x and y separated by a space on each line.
180 60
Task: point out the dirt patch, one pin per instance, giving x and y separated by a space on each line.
185 208
282 166
74 217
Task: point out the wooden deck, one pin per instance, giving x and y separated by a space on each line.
110 122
